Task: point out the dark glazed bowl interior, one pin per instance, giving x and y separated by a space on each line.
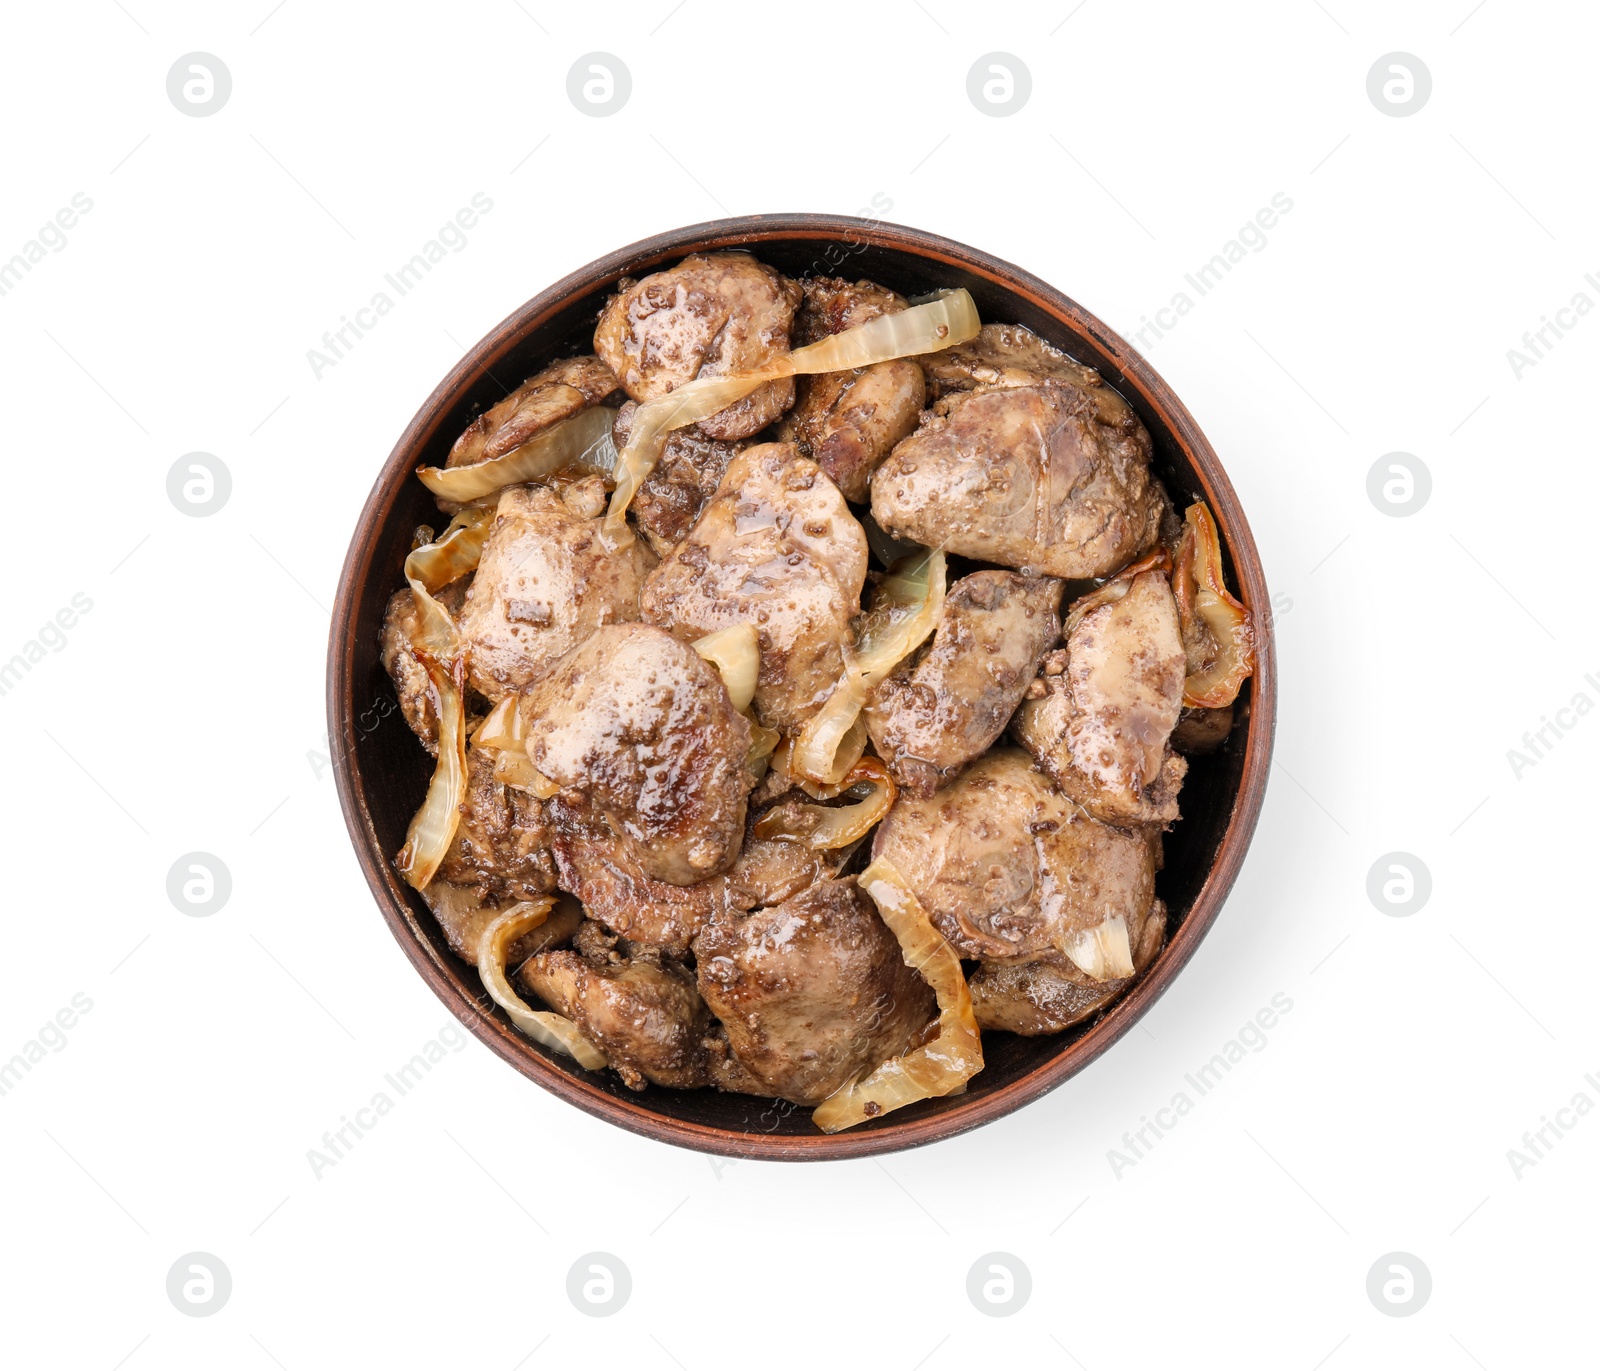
383 772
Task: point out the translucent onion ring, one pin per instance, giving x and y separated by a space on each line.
517 771
501 730
824 827
851 748
1102 952
446 559
942 322
583 440
1203 599
502 733
763 741
438 650
433 826
541 1025
905 611
941 1067
735 651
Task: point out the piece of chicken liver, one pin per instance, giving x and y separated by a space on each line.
637 731
935 714
1026 459
604 871
711 315
685 476
847 421
1106 707
1051 994
811 992
776 547
1008 868
545 582
562 390
639 1008
501 847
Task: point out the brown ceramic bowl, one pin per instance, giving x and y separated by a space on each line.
382 771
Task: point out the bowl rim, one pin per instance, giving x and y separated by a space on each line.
894 1133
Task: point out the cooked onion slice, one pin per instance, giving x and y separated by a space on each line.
502 733
948 319
941 1067
454 552
941 321
435 565
762 742
436 647
1216 628
501 728
1102 951
583 440
824 828
433 827
517 771
905 610
541 1025
652 421
851 747
735 651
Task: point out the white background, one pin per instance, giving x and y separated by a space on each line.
184 711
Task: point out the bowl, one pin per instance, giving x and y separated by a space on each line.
382 772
